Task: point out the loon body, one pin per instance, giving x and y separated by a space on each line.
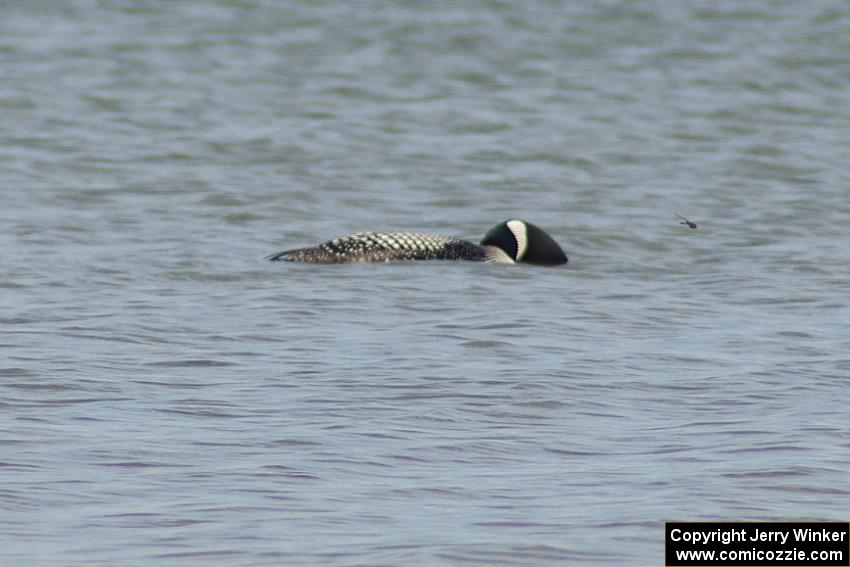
510 242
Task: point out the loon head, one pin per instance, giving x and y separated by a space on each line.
515 241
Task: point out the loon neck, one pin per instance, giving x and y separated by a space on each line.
496 255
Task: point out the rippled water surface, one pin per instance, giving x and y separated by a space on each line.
169 397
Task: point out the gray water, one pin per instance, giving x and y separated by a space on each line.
168 397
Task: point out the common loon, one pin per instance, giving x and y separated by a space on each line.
509 242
